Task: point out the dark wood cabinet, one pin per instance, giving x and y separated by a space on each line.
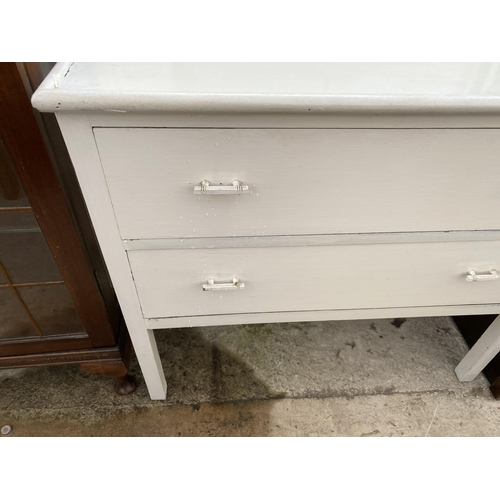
57 304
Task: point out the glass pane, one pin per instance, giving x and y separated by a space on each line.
11 191
15 323
27 258
18 222
52 308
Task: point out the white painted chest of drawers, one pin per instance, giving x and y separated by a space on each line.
251 193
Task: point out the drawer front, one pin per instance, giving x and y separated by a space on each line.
301 181
170 282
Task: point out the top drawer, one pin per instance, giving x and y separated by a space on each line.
301 181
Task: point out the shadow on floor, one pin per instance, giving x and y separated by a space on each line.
233 380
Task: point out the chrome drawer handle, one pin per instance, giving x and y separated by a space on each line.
212 286
237 187
472 276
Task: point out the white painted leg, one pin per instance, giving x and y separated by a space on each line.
81 145
149 360
482 352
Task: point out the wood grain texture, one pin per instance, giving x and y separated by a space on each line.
74 198
73 355
24 143
301 181
49 346
75 348
169 282
113 368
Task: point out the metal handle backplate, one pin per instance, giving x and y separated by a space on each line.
237 187
489 276
211 286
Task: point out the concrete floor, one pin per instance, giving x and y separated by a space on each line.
346 378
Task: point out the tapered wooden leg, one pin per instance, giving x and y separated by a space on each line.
482 352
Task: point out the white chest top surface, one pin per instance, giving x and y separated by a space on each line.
271 87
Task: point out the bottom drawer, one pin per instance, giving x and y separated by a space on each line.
170 282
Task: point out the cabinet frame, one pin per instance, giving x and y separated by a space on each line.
37 152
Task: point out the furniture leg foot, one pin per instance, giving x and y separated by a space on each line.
125 385
118 370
